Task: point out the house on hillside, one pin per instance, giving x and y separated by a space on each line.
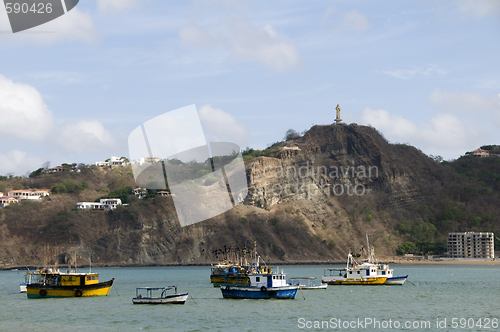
61 169
56 169
28 194
147 160
5 201
113 162
140 192
101 163
480 153
103 204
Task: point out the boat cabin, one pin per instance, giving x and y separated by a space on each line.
268 280
79 279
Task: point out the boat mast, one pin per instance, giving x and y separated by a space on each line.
368 251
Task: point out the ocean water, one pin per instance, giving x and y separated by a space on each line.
436 295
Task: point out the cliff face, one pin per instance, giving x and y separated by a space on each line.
313 200
338 161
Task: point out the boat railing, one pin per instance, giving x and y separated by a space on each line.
150 290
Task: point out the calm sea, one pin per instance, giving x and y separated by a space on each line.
471 294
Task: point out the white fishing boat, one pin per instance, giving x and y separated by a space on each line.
307 283
367 273
149 295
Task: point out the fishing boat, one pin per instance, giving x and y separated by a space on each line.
227 274
357 274
145 295
53 283
367 273
263 285
234 270
307 283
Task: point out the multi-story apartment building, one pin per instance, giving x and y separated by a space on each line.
471 245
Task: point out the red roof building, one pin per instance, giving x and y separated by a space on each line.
481 153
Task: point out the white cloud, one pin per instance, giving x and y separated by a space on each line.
74 25
26 117
220 126
242 39
416 72
83 136
479 8
18 162
443 134
24 114
465 102
116 5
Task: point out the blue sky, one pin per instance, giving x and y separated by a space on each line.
422 72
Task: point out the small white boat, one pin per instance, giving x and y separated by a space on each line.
27 280
396 280
307 283
145 295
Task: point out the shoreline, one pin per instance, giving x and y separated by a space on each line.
382 261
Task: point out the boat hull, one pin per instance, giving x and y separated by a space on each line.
347 281
23 287
47 291
322 286
232 292
171 299
396 280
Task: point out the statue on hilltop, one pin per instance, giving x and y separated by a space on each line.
338 119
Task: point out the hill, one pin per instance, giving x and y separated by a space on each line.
311 198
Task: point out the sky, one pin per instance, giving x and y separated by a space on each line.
425 73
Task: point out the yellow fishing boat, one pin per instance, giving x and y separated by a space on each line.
49 283
357 274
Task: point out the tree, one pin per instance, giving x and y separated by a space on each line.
37 172
407 248
291 134
59 188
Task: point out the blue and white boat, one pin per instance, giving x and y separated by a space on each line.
263 285
396 280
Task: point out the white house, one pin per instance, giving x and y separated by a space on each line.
140 192
5 201
104 204
113 162
147 160
28 194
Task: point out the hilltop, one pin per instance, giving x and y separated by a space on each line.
311 199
